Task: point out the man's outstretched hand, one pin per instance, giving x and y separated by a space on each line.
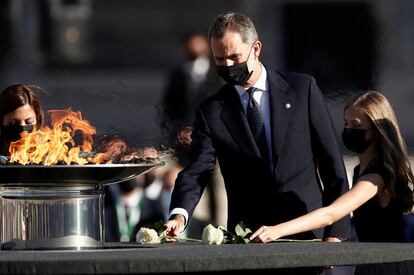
175 225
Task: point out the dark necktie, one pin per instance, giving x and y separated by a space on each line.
256 123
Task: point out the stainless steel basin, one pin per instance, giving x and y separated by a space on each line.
57 207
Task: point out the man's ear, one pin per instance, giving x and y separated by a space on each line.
257 47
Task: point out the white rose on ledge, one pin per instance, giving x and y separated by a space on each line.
147 236
212 235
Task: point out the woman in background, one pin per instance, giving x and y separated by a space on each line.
382 182
19 111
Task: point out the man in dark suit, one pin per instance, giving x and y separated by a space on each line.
128 208
188 84
276 145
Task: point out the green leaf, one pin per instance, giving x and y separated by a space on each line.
246 240
239 230
242 230
248 231
228 236
159 227
239 239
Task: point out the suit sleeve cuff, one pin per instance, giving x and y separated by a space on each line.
180 211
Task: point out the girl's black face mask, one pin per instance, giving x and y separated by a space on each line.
354 139
237 74
11 133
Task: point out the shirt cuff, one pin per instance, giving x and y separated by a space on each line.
180 211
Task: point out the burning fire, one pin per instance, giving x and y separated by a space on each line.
49 146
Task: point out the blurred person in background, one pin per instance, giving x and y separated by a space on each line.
128 208
189 84
20 111
169 178
409 227
131 204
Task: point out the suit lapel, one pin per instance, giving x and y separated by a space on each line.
281 109
236 121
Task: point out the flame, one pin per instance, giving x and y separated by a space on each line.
54 145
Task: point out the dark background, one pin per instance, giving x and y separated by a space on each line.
109 59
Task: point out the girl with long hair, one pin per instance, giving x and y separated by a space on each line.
382 183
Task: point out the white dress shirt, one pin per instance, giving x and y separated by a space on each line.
132 204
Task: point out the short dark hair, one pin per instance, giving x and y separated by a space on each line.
233 21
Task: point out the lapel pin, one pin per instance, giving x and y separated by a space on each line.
288 105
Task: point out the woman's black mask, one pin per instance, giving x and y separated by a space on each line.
12 133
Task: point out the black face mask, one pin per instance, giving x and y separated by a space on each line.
354 139
12 133
237 74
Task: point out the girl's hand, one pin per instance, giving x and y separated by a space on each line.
265 234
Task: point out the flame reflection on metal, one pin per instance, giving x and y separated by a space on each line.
51 218
59 206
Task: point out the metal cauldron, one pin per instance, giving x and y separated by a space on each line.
58 206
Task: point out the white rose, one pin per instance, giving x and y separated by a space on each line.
212 235
146 235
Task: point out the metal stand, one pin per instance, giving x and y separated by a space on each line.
51 218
